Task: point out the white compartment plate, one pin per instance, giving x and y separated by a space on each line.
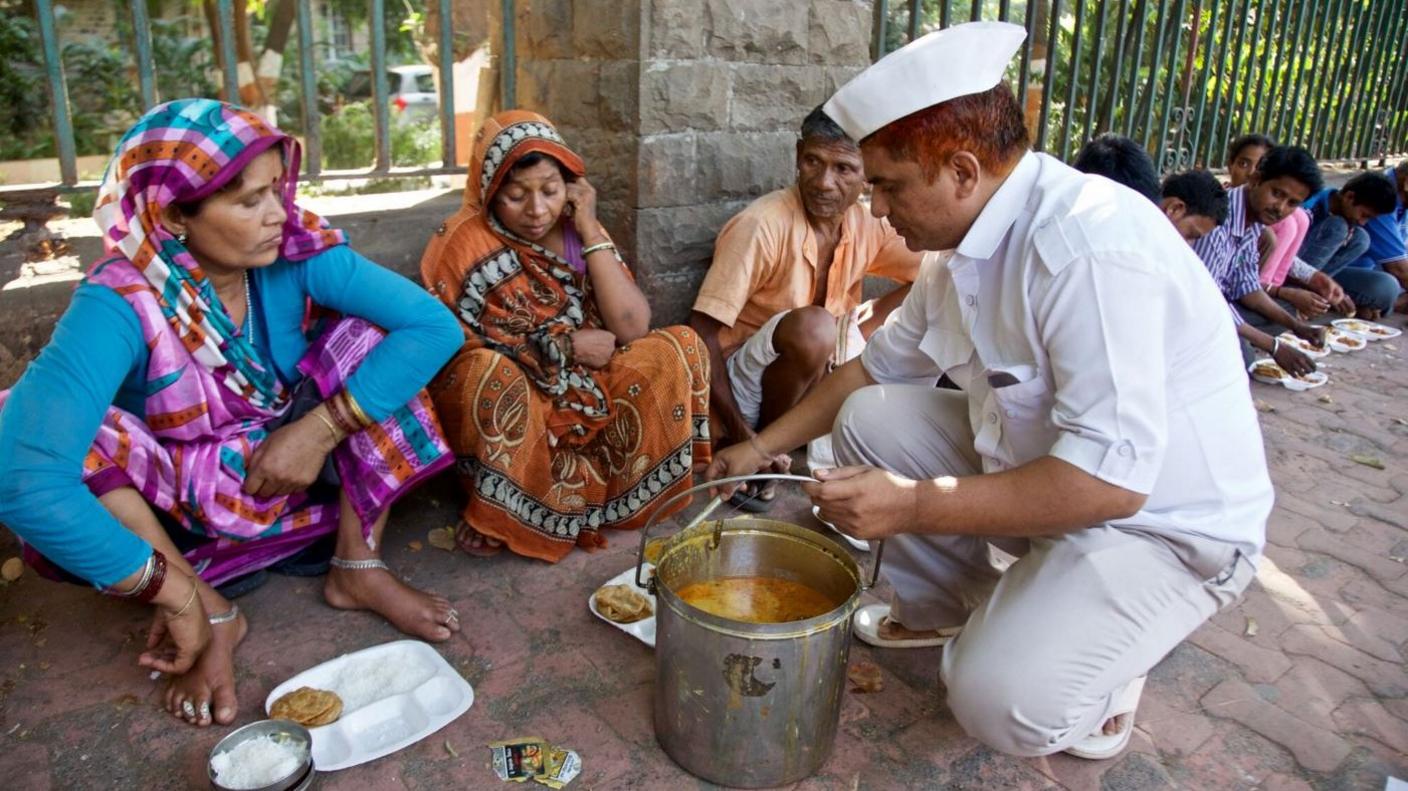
383 726
1305 346
1313 379
1335 338
642 630
1368 330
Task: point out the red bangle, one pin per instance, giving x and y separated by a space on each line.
152 588
335 407
146 589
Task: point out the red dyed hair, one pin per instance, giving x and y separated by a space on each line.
988 125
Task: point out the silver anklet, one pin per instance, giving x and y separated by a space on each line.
225 617
358 565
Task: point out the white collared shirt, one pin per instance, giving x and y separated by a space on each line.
1083 327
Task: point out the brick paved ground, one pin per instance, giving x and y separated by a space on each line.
1302 685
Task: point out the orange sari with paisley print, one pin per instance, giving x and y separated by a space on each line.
552 452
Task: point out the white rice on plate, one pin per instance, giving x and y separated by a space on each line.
369 679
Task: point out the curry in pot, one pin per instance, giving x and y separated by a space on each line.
757 599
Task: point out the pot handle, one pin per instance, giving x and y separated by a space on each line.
712 505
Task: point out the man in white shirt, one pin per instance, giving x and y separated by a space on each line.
1104 434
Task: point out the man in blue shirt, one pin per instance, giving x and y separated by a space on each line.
1388 237
1336 239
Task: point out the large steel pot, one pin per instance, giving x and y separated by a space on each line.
742 704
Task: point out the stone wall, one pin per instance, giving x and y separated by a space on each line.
685 110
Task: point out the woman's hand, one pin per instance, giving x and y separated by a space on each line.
581 196
290 459
175 642
745 458
593 348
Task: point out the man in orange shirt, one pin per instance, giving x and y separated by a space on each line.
782 300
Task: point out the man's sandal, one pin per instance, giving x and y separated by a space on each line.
866 627
1098 746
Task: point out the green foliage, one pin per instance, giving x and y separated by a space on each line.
1318 85
349 139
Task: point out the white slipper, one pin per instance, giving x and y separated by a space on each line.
1097 746
866 626
858 543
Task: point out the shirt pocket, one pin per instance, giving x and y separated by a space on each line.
1016 417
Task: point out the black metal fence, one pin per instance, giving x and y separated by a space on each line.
1184 77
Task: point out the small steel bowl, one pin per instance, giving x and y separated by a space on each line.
284 731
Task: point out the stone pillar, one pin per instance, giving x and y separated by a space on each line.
685 111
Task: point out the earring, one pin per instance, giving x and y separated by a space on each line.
181 237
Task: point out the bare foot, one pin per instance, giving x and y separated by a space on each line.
209 686
473 542
1113 725
414 612
889 629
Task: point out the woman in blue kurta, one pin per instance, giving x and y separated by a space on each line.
236 368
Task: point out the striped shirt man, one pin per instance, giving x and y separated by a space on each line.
1230 252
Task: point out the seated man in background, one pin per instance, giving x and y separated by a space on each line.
782 299
1195 202
1284 178
1388 237
1122 161
1337 239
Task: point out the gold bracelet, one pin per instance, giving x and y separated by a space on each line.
331 428
356 409
194 590
586 251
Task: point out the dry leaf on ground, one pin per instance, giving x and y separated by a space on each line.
1324 399
1262 406
1252 627
415 546
1368 461
865 677
442 538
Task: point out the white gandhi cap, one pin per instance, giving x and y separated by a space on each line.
946 64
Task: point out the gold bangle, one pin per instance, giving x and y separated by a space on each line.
356 409
194 590
331 428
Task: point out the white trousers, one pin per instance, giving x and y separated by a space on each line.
1049 643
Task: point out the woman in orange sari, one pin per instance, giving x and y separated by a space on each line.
567 414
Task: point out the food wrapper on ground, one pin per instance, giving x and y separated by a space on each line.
532 758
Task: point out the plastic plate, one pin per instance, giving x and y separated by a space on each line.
1280 377
642 630
1305 346
383 723
1368 330
1341 341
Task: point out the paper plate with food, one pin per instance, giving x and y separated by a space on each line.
1341 341
369 703
1266 370
1368 330
1305 346
626 605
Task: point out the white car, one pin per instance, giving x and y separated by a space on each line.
412 91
